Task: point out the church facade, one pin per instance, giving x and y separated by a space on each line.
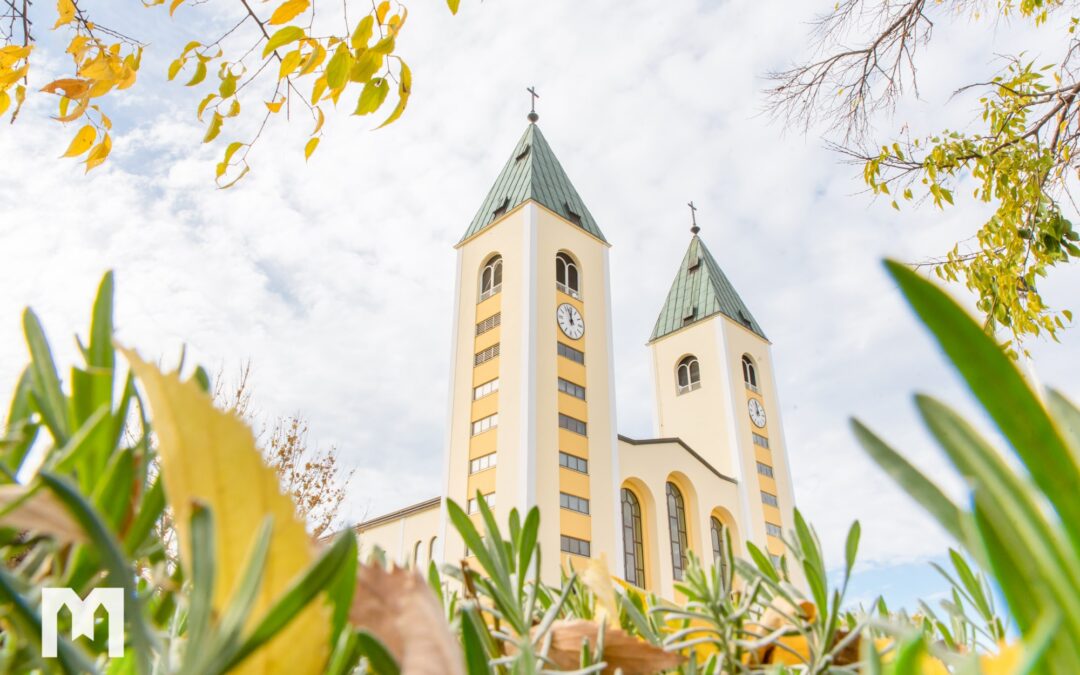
532 418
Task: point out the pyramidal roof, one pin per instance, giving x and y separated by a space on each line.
533 172
699 291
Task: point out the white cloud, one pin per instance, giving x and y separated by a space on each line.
335 275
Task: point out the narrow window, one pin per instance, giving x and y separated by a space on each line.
566 275
486 355
431 548
764 469
568 387
573 503
416 554
749 373
482 463
489 387
571 353
573 463
489 323
677 530
571 424
688 374
768 498
761 440
484 424
575 546
719 545
776 562
774 529
633 540
491 277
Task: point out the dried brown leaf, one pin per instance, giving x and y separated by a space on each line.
39 512
622 651
399 608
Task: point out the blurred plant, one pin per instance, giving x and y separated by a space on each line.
281 56
1022 525
249 591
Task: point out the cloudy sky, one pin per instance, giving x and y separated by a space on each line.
334 277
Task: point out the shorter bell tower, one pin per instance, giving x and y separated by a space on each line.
715 389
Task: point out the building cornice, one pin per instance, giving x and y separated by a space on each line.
680 442
400 513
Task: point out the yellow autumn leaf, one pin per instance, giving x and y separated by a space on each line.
309 147
82 141
99 154
66 11
1006 662
5 101
208 455
288 10
596 578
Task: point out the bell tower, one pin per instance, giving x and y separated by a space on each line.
715 390
532 406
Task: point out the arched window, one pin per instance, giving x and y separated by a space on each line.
566 275
491 277
688 374
749 372
676 510
633 540
719 545
431 548
416 554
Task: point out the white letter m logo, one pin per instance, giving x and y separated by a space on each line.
82 616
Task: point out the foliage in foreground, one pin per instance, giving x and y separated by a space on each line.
287 62
251 592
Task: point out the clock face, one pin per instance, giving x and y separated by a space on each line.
570 321
757 412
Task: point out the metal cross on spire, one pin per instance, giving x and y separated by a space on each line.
532 113
693 218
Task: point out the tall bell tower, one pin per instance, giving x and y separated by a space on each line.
532 406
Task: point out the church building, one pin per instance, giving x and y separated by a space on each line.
532 399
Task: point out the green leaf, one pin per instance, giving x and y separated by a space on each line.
119 571
851 548
994 379
203 573
1014 501
380 660
27 623
283 37
19 432
762 561
948 515
476 659
47 392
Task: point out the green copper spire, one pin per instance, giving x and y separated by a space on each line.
534 173
699 291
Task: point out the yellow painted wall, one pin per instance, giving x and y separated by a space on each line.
398 537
